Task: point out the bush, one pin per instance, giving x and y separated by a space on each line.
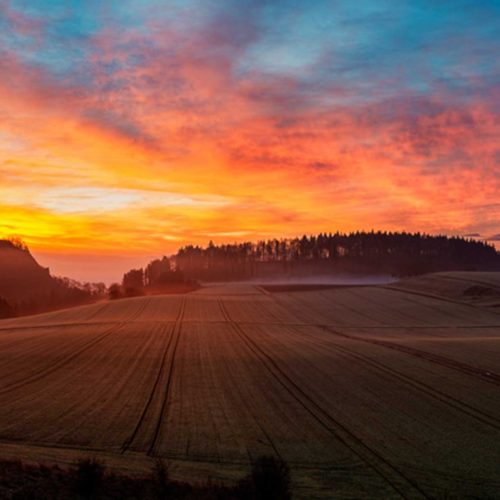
270 479
161 481
89 477
89 480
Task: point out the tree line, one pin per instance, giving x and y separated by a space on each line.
397 253
61 293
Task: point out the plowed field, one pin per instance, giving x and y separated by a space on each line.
365 392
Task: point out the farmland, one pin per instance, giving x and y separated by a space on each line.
388 391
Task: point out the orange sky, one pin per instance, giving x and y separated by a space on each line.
106 163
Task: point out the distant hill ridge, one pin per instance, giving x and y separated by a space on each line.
21 277
26 287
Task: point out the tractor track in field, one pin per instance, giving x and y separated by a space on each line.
270 441
128 442
462 406
472 281
173 340
405 315
177 333
65 361
417 293
406 296
431 391
97 311
473 371
43 326
356 445
478 373
87 322
328 300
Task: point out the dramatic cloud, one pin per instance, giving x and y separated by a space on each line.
153 124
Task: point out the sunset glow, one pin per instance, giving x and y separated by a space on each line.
135 127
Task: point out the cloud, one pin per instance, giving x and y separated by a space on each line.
239 119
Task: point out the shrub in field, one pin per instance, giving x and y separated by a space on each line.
269 479
161 481
89 475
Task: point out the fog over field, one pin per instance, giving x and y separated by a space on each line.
333 279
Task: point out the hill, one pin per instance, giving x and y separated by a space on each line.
26 287
475 288
21 277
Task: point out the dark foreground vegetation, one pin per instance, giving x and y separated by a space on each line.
399 254
89 479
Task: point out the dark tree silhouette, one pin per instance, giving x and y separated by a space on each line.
134 279
155 270
159 276
401 254
115 291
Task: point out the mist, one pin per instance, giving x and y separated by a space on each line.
340 279
322 280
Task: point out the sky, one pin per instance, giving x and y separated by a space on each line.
129 128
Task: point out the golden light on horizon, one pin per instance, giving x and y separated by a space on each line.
149 140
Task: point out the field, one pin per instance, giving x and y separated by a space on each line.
364 391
